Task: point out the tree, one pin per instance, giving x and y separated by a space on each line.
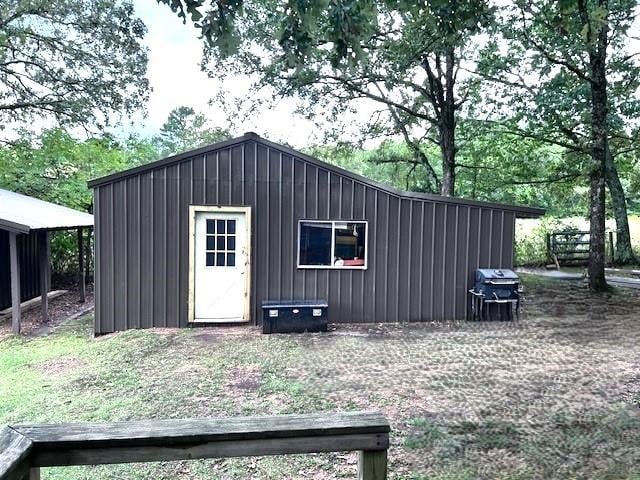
561 62
403 55
56 167
75 61
185 130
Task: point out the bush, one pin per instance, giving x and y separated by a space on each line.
64 256
531 238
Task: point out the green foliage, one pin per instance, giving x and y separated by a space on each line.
75 61
185 130
404 57
531 238
56 168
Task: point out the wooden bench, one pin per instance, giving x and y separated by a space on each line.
26 448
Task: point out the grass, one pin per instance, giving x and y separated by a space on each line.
554 396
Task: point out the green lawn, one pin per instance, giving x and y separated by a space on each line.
553 396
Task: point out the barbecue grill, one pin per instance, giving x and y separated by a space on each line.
500 287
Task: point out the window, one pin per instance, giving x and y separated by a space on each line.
221 243
331 244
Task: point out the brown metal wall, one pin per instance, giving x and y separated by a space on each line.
421 253
29 268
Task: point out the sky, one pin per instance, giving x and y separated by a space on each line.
176 80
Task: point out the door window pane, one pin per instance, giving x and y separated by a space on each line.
220 243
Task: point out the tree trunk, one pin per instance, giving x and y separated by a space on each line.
599 150
623 253
448 149
447 127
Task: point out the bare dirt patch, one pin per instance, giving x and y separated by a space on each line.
58 367
60 309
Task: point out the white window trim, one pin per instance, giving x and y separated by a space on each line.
333 245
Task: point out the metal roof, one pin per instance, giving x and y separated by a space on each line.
520 210
21 213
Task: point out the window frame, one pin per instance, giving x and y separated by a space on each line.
333 245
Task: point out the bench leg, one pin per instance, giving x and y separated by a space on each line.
31 474
372 465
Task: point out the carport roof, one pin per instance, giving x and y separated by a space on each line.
21 213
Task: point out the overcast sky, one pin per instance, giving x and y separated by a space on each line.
176 79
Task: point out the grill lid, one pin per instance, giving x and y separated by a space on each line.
486 274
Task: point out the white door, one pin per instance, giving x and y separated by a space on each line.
220 266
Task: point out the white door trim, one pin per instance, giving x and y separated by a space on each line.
193 210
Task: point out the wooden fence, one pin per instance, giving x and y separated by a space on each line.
571 247
26 448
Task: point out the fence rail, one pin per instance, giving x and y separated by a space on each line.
572 247
26 448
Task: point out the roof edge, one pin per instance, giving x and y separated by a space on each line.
13 226
526 211
164 162
520 210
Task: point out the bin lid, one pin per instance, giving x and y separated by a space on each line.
294 303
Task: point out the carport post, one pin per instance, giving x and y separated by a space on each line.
81 273
15 282
45 272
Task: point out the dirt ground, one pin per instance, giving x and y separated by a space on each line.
553 396
60 309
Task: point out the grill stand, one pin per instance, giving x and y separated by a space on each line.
480 306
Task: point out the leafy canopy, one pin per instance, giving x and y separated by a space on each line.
186 129
76 61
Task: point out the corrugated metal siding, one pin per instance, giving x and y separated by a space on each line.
421 253
29 268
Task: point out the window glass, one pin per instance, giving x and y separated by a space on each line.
315 243
220 244
349 244
332 244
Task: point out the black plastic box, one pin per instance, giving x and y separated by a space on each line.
294 316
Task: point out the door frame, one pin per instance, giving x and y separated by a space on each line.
191 300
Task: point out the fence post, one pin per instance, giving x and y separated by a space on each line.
611 248
372 465
549 247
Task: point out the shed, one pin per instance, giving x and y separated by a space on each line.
206 236
25 223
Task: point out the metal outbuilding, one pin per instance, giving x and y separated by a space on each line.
207 235
25 223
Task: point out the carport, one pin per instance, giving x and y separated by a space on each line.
25 226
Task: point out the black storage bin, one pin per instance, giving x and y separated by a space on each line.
295 316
